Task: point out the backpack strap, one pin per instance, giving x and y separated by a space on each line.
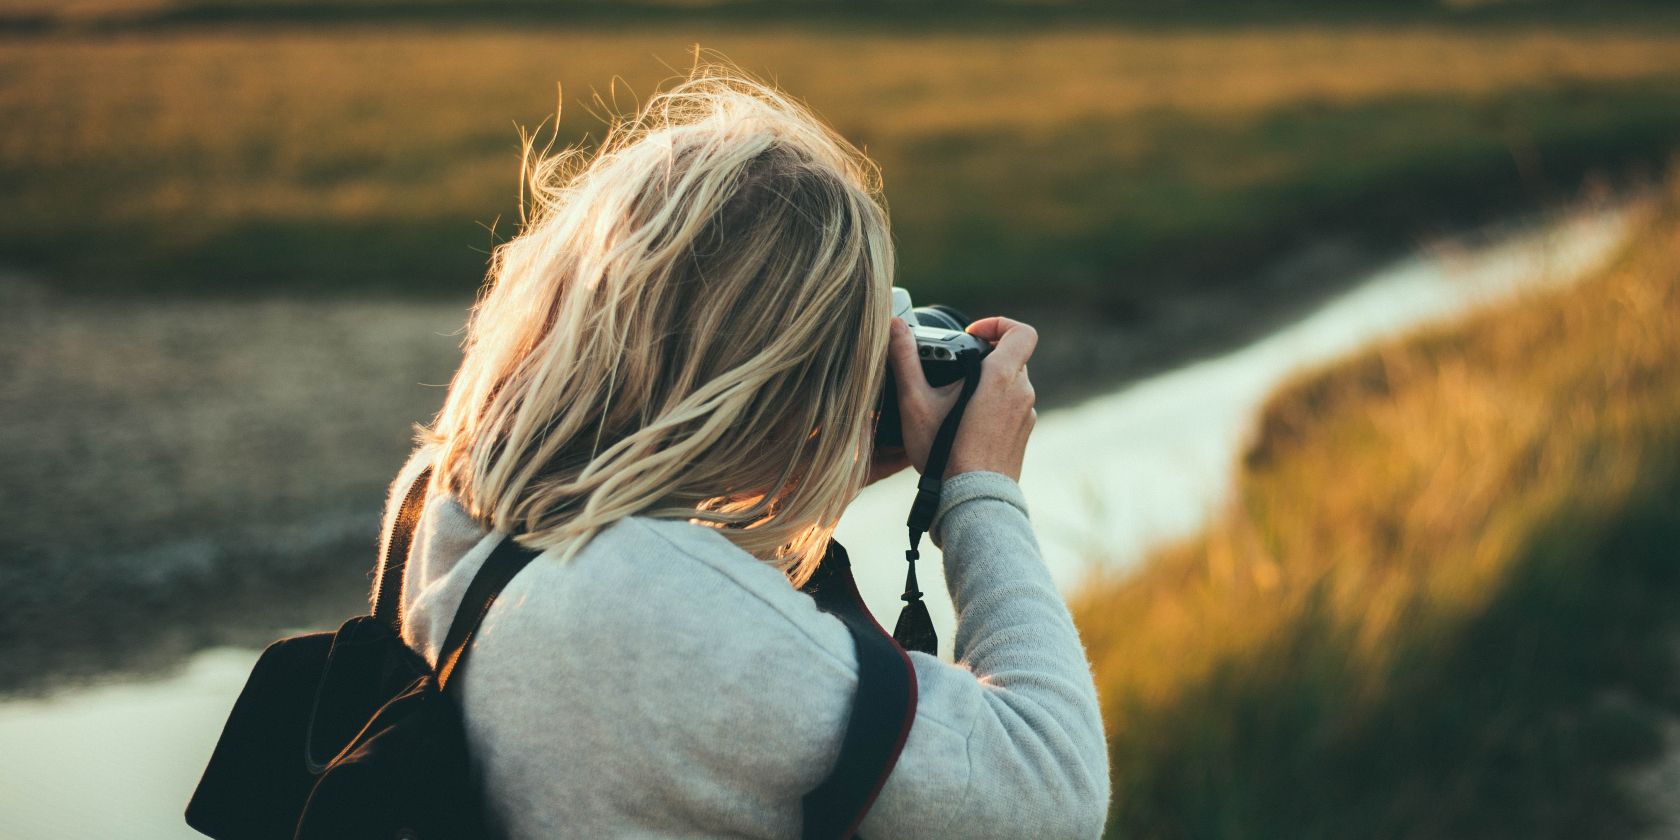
504 562
499 568
393 559
882 710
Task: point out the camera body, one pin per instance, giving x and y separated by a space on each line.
942 344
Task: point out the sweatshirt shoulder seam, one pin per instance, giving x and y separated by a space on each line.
849 667
688 553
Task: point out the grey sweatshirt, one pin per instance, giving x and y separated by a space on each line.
666 683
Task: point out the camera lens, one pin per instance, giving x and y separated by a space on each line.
943 317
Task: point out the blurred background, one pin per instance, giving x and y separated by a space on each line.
1364 318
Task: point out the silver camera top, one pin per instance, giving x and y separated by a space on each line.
939 330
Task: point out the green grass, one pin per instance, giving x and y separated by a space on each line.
1097 162
1103 211
1442 605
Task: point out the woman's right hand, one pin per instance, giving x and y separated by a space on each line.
1000 416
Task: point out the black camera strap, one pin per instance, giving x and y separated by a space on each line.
914 630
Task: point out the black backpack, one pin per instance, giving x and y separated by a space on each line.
353 734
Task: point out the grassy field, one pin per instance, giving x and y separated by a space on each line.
1443 602
1097 161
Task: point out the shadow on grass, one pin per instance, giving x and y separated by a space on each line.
1511 723
436 258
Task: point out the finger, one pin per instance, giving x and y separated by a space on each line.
1013 341
993 328
901 354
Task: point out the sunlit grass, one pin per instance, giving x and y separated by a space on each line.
374 156
1442 603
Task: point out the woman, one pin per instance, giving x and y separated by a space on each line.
668 388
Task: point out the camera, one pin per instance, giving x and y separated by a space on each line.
944 347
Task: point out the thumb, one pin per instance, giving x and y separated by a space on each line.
901 354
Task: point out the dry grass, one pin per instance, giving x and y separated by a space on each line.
153 149
213 97
1442 604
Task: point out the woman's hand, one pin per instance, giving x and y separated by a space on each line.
1000 415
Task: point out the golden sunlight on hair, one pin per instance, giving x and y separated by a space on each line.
691 324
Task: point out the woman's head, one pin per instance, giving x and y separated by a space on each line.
692 324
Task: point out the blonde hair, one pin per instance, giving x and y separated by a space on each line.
691 325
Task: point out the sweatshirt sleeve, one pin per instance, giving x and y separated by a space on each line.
1008 740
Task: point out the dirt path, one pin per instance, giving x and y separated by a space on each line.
188 455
